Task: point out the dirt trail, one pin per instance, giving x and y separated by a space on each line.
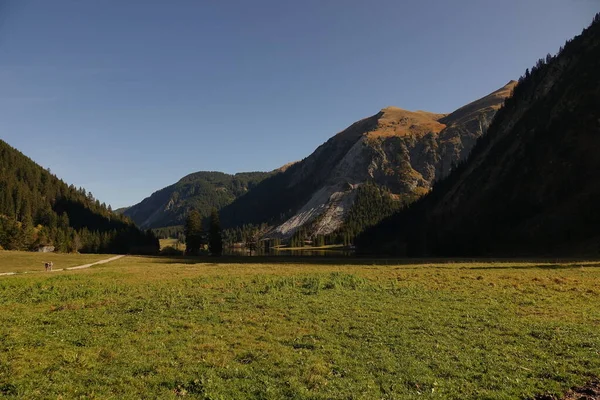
591 391
67 269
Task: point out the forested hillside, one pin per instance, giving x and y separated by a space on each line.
201 191
371 204
38 209
530 186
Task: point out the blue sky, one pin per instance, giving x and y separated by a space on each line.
126 97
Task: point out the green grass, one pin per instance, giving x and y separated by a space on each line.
171 243
166 328
20 261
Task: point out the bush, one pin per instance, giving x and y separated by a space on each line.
171 251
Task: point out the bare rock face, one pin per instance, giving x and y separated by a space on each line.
329 204
403 150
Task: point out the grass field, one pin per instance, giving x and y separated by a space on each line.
172 243
168 328
21 261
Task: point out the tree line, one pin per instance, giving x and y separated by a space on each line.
203 241
373 203
38 209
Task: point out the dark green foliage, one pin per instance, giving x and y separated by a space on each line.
252 242
248 237
299 237
373 203
241 233
251 237
200 191
175 231
215 240
319 241
271 201
120 210
193 233
37 209
529 186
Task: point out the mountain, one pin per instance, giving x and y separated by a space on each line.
201 191
530 185
401 152
37 209
121 210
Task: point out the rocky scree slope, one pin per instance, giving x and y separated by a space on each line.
401 150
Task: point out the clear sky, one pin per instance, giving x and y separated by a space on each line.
124 97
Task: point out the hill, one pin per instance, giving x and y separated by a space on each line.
38 209
399 152
121 210
201 191
530 186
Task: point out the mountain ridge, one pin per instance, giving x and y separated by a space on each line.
404 151
201 190
530 185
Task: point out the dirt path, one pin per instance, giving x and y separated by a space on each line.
591 391
67 269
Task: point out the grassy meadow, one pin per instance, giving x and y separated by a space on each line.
23 261
174 243
170 328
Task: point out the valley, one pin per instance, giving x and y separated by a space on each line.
399 151
411 255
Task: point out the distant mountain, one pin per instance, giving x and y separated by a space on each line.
401 152
121 210
530 186
200 191
37 209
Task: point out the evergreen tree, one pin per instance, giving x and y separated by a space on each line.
251 242
193 233
215 240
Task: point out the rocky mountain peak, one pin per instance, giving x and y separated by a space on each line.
401 150
394 121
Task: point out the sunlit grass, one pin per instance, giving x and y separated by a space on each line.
174 243
21 261
164 328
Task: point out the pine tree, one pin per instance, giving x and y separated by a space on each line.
28 232
252 241
193 233
215 240
76 243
